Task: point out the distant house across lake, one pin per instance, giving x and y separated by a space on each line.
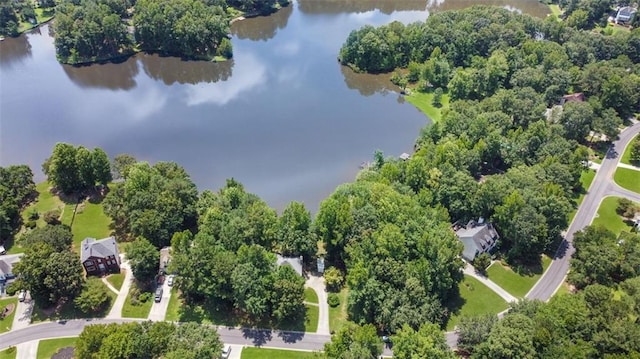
477 237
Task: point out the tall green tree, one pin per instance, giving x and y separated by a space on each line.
293 233
427 342
144 259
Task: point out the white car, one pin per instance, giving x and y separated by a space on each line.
22 295
170 280
226 351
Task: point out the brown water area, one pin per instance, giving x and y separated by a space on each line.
283 117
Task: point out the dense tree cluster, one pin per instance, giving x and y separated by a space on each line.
401 257
59 237
497 153
148 340
143 259
16 190
589 324
601 258
13 12
354 341
50 275
91 30
153 202
74 169
188 28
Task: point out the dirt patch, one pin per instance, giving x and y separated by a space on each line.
64 353
8 310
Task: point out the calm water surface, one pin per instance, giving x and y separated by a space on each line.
283 117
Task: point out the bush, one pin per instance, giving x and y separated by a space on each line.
333 278
482 262
145 297
333 299
52 216
12 288
626 208
34 215
30 224
437 97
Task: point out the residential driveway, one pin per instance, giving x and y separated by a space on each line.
22 319
159 310
116 310
236 351
28 350
317 283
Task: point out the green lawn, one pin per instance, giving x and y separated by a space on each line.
173 310
69 310
260 353
608 218
517 284
90 221
7 322
338 315
311 319
628 178
136 311
116 280
310 296
422 100
48 347
475 299
626 156
9 353
45 202
555 10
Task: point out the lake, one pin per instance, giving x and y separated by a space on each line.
283 117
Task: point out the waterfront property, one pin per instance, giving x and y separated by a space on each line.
100 256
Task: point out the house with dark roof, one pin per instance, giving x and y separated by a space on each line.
477 237
100 256
574 97
625 15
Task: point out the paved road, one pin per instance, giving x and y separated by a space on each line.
250 337
159 309
27 350
317 284
601 187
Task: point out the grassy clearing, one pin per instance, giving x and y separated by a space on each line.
45 202
116 280
173 309
7 322
517 284
626 156
423 100
260 353
608 218
338 314
475 299
628 178
136 311
310 296
69 310
48 347
555 10
311 318
9 353
90 221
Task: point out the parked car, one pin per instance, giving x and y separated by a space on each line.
170 280
9 275
2 250
226 351
158 296
22 295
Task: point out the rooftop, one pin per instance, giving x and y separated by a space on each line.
90 247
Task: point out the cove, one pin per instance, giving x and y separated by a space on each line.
283 117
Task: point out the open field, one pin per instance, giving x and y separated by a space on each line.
423 100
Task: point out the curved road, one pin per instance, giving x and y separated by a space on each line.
602 186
